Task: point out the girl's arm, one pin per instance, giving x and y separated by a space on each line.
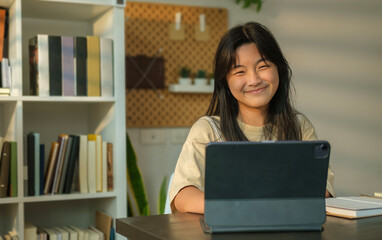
190 199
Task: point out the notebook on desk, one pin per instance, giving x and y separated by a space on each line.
265 186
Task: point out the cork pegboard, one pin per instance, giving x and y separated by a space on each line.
146 31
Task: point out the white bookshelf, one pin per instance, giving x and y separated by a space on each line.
50 116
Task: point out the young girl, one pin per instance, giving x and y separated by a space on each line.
250 103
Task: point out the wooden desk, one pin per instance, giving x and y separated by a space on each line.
184 226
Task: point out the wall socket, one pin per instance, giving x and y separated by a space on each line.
179 135
153 136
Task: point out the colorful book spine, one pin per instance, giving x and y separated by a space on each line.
4 168
92 164
36 164
67 54
83 164
31 163
106 59
110 174
93 66
73 161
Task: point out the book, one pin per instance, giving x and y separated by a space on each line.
83 164
67 54
50 168
31 163
110 174
13 170
99 164
65 165
80 232
73 235
378 194
64 233
92 164
353 207
42 168
52 233
80 66
106 64
103 222
36 164
5 91
5 73
104 166
55 66
73 161
63 141
4 168
39 66
2 31
98 234
93 66
30 231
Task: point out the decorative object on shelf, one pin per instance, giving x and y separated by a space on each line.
185 78
202 30
248 3
200 78
177 29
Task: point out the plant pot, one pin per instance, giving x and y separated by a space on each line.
200 81
184 81
212 82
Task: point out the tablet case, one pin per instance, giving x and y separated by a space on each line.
265 186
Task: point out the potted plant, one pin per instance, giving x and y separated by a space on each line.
200 78
211 79
184 78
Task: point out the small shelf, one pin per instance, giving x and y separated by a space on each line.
191 88
67 99
8 200
65 197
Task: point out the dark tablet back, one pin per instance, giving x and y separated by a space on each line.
265 186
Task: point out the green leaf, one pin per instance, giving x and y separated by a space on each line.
259 5
162 196
238 1
134 178
247 3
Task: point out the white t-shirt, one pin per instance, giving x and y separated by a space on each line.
190 168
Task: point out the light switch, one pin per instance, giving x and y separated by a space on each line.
153 136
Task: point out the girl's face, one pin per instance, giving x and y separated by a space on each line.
253 81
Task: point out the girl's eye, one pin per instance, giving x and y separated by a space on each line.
263 66
239 73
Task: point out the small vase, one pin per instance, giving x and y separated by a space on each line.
200 81
184 81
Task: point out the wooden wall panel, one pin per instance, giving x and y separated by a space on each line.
146 31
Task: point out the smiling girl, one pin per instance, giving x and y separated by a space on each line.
250 103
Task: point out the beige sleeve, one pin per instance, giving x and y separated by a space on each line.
309 134
190 168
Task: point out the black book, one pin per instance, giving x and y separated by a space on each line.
73 160
55 68
80 55
4 169
42 168
31 163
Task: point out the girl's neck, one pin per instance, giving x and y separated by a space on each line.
253 116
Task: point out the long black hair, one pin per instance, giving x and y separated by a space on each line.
281 122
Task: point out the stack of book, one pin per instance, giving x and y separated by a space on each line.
71 157
103 230
71 66
5 68
8 168
354 207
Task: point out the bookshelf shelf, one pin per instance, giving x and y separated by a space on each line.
67 197
21 114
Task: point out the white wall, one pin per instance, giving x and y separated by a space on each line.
335 51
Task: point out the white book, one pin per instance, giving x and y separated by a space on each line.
73 234
52 233
99 234
64 234
30 231
104 166
80 232
92 155
83 164
354 207
99 162
5 73
106 64
91 235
